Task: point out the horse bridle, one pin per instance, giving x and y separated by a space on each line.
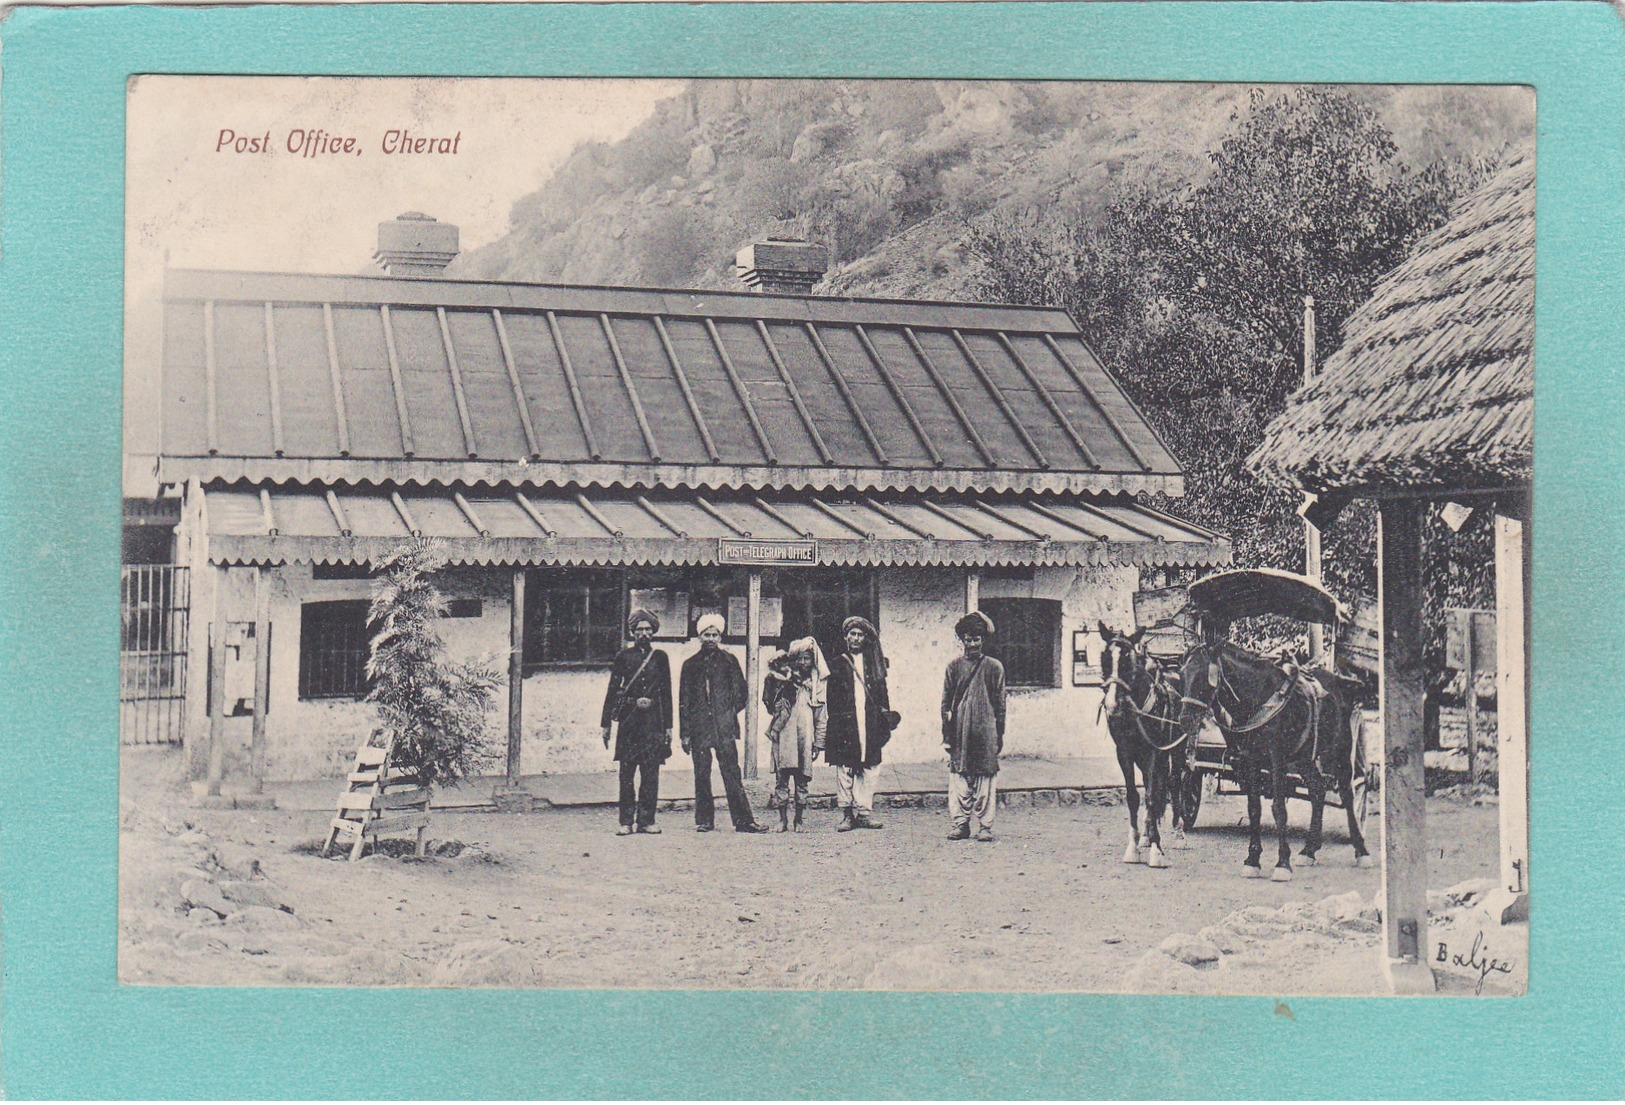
1140 713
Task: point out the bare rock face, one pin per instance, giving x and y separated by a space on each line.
702 159
486 963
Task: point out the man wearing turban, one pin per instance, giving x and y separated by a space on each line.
638 705
973 728
860 723
710 694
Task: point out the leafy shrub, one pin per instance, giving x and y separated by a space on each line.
433 709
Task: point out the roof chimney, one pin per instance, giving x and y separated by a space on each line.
415 245
782 266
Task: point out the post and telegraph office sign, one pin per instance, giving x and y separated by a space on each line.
767 554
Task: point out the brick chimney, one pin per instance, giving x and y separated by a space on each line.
415 245
782 266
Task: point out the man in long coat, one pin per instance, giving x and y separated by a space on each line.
860 723
710 693
638 704
973 729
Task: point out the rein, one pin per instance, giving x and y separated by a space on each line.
1140 713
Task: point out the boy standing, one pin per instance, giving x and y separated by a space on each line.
973 729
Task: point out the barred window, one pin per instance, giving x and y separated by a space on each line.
333 646
1028 640
573 617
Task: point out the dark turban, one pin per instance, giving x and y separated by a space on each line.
974 622
640 616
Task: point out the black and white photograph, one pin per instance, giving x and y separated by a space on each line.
808 535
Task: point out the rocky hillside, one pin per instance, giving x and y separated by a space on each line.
890 174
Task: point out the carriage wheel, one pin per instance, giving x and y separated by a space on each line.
1196 782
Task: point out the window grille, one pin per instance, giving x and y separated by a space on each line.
574 618
1028 640
334 643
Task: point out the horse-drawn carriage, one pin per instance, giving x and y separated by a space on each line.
1212 767
1234 721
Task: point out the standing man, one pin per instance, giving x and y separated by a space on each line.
860 723
973 729
639 704
711 692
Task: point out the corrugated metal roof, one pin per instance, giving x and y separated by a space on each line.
565 526
387 380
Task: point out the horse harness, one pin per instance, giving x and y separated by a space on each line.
1141 712
1293 680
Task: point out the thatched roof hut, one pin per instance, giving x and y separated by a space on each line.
1433 386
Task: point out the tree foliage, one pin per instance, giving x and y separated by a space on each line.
1194 299
433 709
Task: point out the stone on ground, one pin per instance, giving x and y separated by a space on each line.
486 963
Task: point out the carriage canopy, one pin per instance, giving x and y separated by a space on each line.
1249 592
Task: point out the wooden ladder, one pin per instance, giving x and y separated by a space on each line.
376 799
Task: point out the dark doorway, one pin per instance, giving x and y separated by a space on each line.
817 601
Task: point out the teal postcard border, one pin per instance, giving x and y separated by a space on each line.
68 1030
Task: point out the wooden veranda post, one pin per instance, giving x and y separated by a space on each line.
1404 807
1311 532
516 678
217 685
1510 902
262 678
753 669
973 590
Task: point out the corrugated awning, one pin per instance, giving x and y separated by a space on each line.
277 526
379 380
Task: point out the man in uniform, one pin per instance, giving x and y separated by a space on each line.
639 704
711 692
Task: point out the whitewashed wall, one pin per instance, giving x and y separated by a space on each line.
315 739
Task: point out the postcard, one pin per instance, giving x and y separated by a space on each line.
996 489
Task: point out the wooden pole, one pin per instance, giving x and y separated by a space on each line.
1470 698
973 590
1311 534
753 669
516 677
1404 804
217 685
262 678
1510 901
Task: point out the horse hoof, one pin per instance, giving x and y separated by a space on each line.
1179 839
1308 861
1248 871
1155 858
1366 862
1131 854
1281 874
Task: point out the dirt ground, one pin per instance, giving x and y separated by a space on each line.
555 899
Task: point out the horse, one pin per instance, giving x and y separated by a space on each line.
1274 715
1140 706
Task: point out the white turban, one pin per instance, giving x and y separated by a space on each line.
710 621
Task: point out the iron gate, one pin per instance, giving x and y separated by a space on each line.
154 605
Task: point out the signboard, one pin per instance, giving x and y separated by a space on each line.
775 554
1087 646
1469 629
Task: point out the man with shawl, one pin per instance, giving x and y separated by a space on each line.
710 693
638 704
973 729
793 693
860 723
